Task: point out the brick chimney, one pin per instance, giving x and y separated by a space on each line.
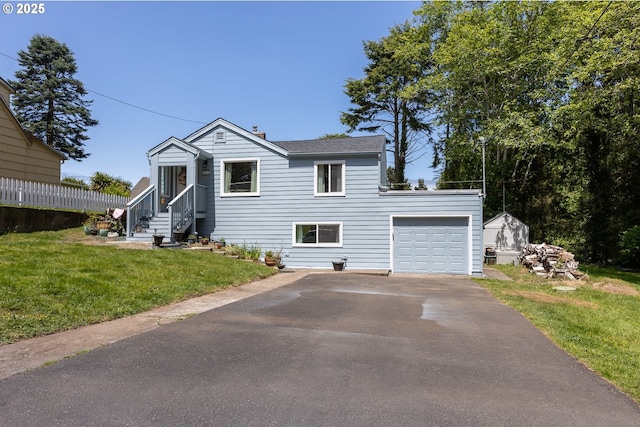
259 133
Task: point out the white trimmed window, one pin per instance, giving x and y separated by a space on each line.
240 177
317 234
329 178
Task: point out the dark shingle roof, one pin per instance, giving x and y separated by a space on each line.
353 145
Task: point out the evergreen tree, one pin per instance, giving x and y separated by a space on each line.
383 101
48 100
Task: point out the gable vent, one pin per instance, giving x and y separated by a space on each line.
219 136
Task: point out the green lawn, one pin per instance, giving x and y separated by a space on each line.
598 323
50 282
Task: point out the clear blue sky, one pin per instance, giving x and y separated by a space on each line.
278 65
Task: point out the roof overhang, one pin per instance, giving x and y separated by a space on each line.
340 154
182 145
220 122
29 137
496 219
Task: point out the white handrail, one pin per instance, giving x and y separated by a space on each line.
140 207
182 210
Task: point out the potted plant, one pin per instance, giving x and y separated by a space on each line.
157 238
339 265
103 224
269 259
204 241
90 224
273 258
178 235
222 242
191 239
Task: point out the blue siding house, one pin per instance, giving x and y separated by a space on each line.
318 201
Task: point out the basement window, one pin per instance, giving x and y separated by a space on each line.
318 234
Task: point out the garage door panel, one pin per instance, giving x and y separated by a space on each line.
439 267
431 245
405 266
405 252
456 251
439 237
440 251
458 238
456 265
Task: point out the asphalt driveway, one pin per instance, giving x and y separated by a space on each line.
327 350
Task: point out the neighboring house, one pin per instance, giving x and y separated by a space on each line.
317 200
140 186
22 155
507 235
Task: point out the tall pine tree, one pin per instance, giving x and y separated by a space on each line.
49 100
382 100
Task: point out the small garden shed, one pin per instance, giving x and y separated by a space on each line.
507 235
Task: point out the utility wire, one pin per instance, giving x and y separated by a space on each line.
581 39
127 103
145 109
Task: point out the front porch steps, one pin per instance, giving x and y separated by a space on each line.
159 224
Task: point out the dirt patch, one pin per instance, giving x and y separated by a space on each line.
107 241
615 288
553 299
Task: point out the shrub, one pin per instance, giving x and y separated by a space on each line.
630 247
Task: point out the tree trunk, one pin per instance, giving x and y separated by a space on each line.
50 118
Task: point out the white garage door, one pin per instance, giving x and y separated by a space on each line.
431 245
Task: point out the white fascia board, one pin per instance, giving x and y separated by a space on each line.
220 122
182 145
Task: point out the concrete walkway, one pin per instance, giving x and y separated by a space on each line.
29 354
493 273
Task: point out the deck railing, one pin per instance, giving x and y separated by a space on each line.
181 210
140 210
16 192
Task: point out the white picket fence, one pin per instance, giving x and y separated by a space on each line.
15 192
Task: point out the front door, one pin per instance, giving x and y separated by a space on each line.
172 180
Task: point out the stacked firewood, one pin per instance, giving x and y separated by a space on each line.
550 261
